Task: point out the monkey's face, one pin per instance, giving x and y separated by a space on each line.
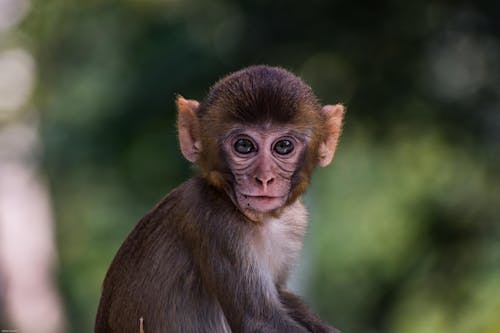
269 129
262 162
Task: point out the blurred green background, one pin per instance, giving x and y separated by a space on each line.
405 225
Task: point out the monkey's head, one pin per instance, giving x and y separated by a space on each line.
258 135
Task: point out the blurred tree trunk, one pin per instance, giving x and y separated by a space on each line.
27 250
28 296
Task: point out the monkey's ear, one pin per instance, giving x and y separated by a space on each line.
188 128
333 127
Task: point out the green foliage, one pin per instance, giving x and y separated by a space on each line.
405 224
402 237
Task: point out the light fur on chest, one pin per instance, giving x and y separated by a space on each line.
277 243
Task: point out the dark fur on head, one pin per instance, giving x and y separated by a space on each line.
260 94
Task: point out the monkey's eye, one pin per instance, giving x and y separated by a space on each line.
283 147
244 146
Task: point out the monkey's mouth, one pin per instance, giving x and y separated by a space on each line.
262 197
261 203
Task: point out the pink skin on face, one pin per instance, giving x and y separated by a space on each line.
262 162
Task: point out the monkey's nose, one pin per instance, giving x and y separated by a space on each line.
264 181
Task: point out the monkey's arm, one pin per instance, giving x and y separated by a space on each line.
301 313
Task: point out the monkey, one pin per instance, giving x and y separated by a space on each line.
214 255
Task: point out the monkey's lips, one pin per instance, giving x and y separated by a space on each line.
261 203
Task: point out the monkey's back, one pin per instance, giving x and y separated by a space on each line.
154 275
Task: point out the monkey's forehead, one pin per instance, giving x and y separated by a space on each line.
224 117
269 129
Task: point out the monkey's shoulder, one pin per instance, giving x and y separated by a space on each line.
191 205
195 195
195 201
173 225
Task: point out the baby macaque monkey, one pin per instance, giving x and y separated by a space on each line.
215 254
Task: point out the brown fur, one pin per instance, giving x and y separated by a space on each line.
198 262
